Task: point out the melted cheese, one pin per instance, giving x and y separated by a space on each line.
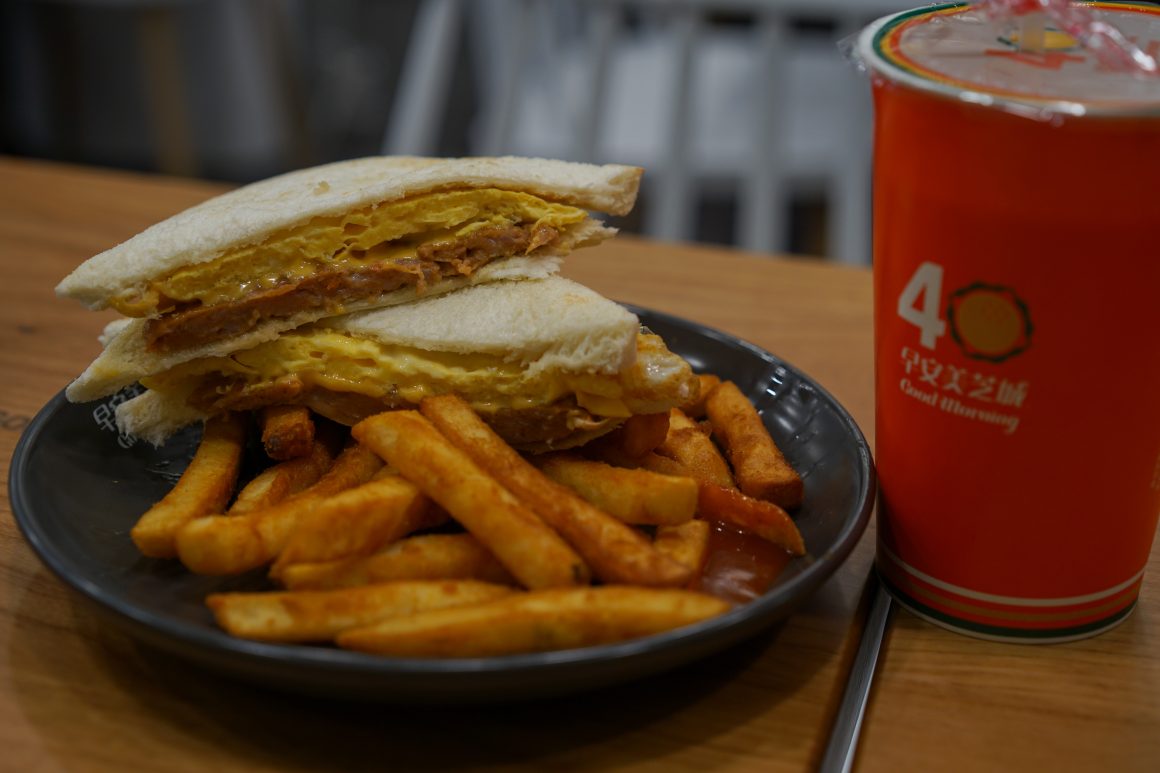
342 363
371 235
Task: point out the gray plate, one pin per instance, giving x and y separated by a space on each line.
76 490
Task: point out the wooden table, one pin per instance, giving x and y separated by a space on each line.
76 695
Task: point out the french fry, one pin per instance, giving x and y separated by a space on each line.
696 408
423 557
282 480
759 466
204 487
687 543
687 444
357 522
651 461
287 431
299 616
537 621
530 550
614 551
237 543
643 433
634 496
762 518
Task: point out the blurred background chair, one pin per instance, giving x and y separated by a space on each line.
186 87
741 111
753 128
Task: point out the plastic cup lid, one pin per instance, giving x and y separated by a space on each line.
957 51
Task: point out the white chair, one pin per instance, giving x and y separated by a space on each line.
755 109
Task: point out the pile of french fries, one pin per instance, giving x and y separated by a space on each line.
423 534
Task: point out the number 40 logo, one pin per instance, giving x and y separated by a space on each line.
988 322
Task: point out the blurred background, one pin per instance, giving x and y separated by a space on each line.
752 125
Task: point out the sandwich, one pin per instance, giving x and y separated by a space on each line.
244 267
547 363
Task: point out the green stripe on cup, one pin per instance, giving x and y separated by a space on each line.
903 17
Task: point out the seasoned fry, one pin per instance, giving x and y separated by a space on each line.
634 496
687 543
762 518
424 557
759 466
279 481
696 408
616 552
650 461
287 431
357 522
543 620
204 487
530 550
237 543
687 444
295 616
643 433
341 531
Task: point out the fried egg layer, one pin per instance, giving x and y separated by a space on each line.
332 360
371 235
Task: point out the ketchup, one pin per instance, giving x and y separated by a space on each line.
739 567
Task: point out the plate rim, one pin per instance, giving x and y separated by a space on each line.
756 613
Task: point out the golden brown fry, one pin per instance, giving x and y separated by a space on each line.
687 444
616 552
204 487
357 522
237 543
687 543
554 619
282 480
287 431
530 550
759 466
762 518
665 466
643 433
424 557
634 496
651 461
696 408
294 616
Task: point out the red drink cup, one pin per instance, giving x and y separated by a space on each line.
1017 313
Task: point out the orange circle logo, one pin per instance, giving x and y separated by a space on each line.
989 322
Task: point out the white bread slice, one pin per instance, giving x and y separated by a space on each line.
247 215
553 324
125 360
154 416
548 324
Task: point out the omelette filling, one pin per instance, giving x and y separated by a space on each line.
347 379
329 263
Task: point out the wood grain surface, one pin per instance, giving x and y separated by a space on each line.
77 695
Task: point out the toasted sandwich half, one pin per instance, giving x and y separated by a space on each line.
241 268
547 363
